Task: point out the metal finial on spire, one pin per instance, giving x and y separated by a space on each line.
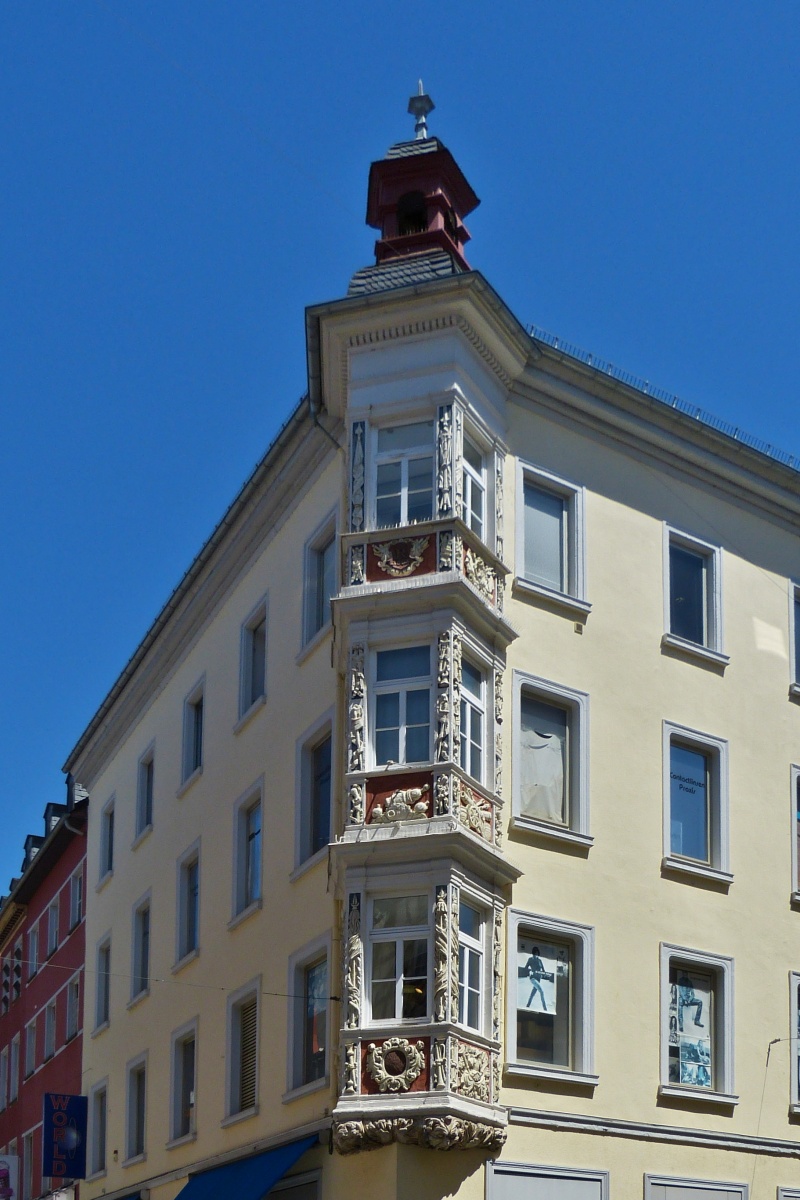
419 106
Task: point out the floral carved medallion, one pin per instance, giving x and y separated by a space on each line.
395 1064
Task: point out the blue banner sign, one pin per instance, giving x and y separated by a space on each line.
64 1136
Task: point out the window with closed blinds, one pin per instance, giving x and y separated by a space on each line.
248 1051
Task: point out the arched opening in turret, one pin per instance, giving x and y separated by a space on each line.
412 214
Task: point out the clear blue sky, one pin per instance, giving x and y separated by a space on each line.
182 177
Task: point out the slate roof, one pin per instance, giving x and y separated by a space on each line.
403 272
406 149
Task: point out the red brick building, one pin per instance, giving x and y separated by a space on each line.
42 949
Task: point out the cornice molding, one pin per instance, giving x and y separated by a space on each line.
647 1131
452 320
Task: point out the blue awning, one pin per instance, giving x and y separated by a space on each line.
247 1178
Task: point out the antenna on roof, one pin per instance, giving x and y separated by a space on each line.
419 106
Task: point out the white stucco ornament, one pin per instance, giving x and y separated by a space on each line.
395 1064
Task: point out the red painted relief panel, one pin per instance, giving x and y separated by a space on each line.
394 1062
401 558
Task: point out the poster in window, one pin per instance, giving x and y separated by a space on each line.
538 967
690 1025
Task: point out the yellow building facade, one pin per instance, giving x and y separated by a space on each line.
443 828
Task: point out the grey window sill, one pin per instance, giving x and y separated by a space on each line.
136 1158
137 841
695 870
571 606
695 650
552 1074
305 1089
185 1140
101 883
543 829
242 916
137 999
184 962
794 691
315 640
308 863
188 781
247 716
98 1029
235 1118
674 1091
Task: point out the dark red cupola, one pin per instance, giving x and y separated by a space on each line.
418 196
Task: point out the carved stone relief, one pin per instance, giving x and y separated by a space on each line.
357 479
474 1079
435 1133
351 1083
443 726
459 474
356 565
474 811
395 1063
480 574
498 507
442 795
401 558
498 743
456 704
454 952
355 798
497 1078
443 661
497 973
353 965
406 804
441 955
444 462
439 1064
498 764
355 739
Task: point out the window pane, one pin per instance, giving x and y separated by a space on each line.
473 456
418 744
544 760
383 1000
387 727
543 1001
321 796
415 978
687 594
545 538
417 726
395 912
258 660
469 920
471 679
691 1022
384 961
252 888
420 489
409 662
797 638
405 437
388 494
688 801
316 1009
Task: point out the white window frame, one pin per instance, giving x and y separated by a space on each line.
102 998
76 897
33 950
49 1030
712 650
794 808
794 1042
132 1152
379 458
53 915
177 1041
306 745
191 768
397 934
794 639
572 600
107 840
402 686
480 706
26 1166
184 953
233 1063
721 967
718 868
741 1190
495 1170
13 1073
473 479
143 904
250 696
577 705
73 1008
307 956
144 821
325 533
96 1168
241 906
476 946
29 1063
581 938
